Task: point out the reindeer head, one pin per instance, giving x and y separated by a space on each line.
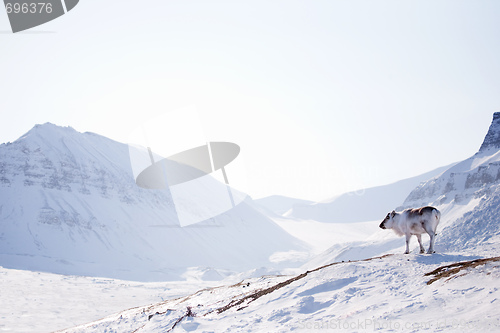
387 222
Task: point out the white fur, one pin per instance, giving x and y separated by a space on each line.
414 222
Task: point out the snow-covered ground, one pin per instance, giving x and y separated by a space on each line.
330 276
390 293
44 302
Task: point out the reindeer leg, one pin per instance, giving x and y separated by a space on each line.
419 237
432 235
407 243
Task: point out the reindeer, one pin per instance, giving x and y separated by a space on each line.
414 222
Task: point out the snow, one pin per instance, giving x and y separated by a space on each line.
279 204
44 302
320 236
330 276
362 205
389 293
69 205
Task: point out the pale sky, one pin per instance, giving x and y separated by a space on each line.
323 97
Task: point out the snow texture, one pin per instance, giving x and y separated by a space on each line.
389 293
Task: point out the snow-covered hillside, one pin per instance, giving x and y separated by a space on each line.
44 302
392 293
473 178
450 291
467 194
361 283
363 205
69 204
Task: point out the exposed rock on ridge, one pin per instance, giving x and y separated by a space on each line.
492 139
472 178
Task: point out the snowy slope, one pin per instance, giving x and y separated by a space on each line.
447 292
44 302
279 204
392 293
69 204
467 194
363 205
397 292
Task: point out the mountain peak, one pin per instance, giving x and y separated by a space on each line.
52 126
48 129
492 138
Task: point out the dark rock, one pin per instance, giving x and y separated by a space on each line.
492 139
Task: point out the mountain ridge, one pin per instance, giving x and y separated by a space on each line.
467 194
69 204
374 201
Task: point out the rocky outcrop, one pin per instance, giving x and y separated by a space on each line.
492 139
476 177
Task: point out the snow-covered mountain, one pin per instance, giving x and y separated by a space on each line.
69 204
392 292
473 178
362 205
467 194
333 291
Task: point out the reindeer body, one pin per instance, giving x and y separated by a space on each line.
414 222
